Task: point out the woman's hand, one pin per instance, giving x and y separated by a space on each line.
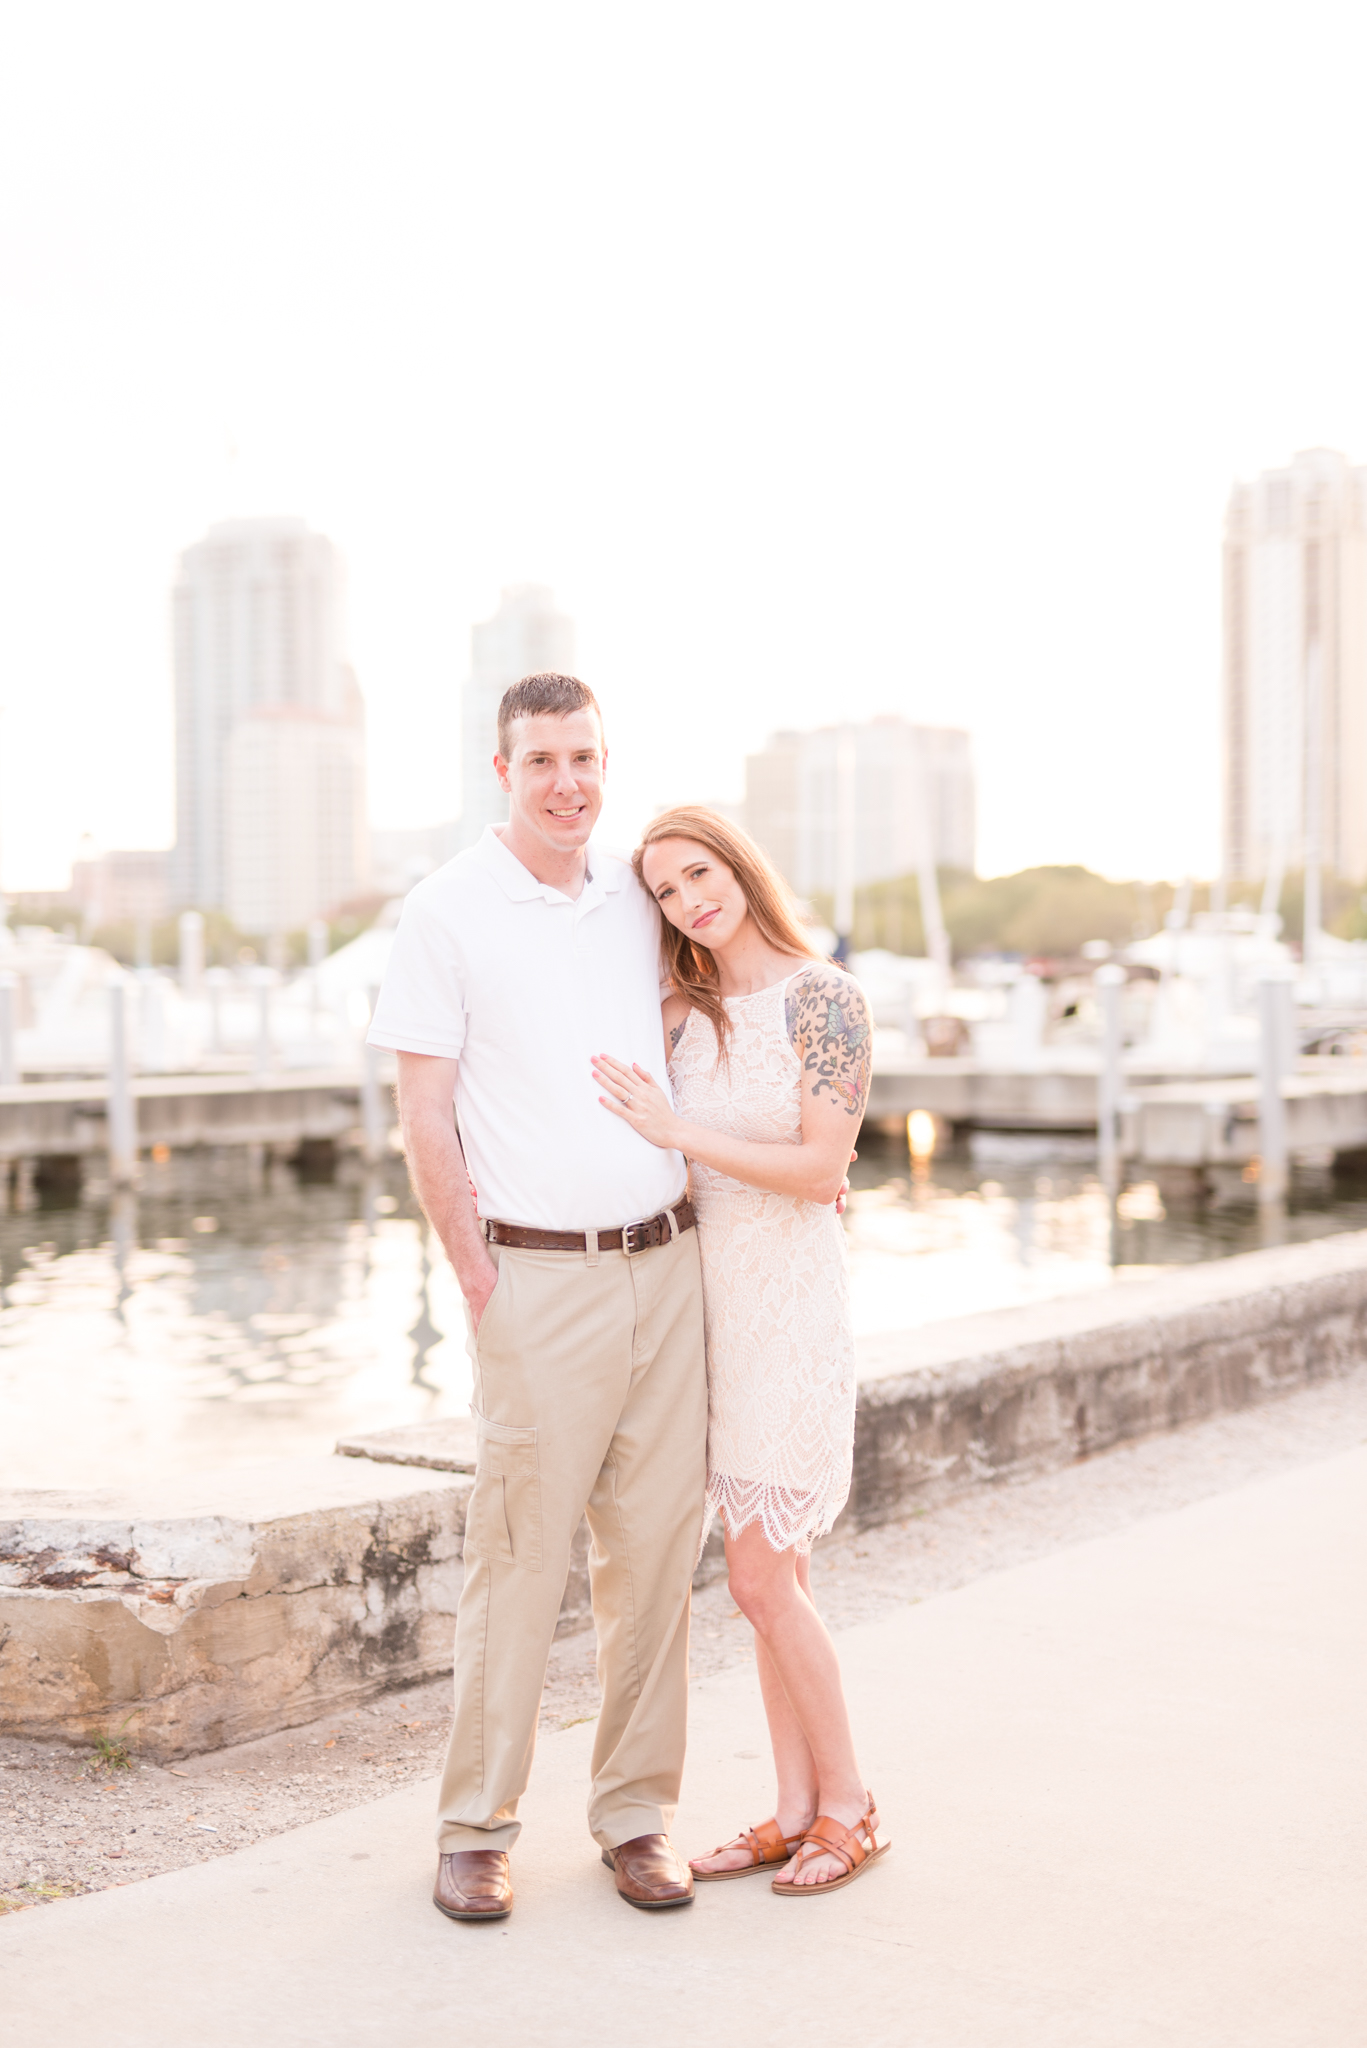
638 1099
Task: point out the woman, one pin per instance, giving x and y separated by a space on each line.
769 1058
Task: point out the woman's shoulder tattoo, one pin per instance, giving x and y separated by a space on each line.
677 1033
830 1031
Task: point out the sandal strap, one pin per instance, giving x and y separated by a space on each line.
765 1843
848 1845
833 1840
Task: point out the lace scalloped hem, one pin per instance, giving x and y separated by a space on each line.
791 1518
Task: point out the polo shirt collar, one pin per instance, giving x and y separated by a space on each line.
521 886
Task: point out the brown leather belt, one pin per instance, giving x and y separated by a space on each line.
632 1237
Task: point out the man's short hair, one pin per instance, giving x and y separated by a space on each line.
539 696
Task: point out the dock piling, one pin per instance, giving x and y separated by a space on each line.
9 1062
1109 983
122 1118
216 979
1275 1061
191 951
372 1110
265 1055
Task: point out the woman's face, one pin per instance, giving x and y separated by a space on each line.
696 891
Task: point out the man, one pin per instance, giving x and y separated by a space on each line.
511 967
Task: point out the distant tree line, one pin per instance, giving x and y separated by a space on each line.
158 943
1053 911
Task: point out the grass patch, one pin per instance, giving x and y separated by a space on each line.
111 1752
25 1895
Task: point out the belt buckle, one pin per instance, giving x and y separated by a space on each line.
630 1243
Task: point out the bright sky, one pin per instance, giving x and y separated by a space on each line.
825 360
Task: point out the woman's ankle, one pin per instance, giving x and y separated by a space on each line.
794 1815
845 1804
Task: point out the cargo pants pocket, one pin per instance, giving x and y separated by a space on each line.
503 1520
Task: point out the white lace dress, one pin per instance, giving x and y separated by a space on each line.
780 1346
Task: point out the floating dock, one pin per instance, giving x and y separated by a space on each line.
1188 1120
70 1119
1177 1121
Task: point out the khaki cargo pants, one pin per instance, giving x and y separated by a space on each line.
590 1395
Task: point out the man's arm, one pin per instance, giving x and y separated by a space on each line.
436 1166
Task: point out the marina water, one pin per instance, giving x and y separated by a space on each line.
230 1313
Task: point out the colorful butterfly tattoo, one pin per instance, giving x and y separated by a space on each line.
828 1025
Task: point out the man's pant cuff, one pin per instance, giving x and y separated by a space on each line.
625 1823
454 1836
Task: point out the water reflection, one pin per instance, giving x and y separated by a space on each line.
1008 1218
233 1311
424 1335
1274 1223
240 1309
123 1225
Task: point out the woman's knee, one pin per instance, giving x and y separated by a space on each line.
761 1582
746 1590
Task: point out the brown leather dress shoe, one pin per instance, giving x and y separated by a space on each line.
473 1884
650 1873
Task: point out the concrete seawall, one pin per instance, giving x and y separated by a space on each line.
216 1608
233 1604
992 1397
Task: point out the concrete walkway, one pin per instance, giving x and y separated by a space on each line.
1125 1786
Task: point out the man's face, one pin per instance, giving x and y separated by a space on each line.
555 777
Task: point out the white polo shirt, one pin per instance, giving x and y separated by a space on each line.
522 985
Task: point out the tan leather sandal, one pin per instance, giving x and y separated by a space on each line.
766 1845
855 1847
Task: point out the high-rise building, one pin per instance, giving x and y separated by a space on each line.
270 728
123 886
1295 670
902 789
526 636
296 819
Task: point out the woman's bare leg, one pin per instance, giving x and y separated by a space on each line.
796 1806
794 1764
803 1699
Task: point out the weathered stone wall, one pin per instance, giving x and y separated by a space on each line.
991 1397
250 1602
